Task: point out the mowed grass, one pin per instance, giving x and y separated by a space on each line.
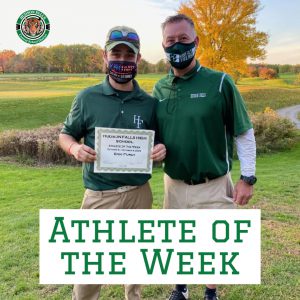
33 100
25 190
276 93
26 104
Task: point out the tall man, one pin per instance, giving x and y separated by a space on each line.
117 102
200 111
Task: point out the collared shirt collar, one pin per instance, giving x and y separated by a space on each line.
108 90
186 76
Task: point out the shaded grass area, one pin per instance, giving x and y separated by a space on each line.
33 113
290 78
258 100
25 190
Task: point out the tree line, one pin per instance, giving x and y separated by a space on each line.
78 58
227 33
284 68
88 59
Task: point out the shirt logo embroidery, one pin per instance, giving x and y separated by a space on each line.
198 95
138 121
161 100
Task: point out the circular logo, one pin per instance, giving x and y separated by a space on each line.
33 26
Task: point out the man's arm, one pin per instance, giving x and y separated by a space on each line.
81 152
246 149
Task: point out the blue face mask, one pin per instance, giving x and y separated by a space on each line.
122 71
181 55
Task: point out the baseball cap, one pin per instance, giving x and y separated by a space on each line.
122 35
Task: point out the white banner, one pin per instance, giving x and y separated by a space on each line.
157 246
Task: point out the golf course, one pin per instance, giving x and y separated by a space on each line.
31 101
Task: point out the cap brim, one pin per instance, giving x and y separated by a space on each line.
114 44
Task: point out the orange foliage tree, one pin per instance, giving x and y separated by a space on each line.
267 73
5 56
227 33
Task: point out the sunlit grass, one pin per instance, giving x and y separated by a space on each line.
287 80
33 100
25 190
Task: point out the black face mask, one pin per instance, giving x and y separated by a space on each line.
122 71
180 55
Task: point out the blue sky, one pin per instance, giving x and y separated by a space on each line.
281 20
88 22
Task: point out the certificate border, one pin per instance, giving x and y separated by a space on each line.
97 164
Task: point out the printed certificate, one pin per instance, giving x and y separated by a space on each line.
123 150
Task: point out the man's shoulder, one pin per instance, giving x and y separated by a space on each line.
217 78
162 81
211 74
89 92
143 95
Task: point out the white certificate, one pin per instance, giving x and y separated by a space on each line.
123 150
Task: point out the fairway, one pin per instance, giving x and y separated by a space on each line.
27 103
35 100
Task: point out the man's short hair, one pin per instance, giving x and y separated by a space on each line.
176 19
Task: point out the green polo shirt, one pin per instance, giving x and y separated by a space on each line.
102 106
198 116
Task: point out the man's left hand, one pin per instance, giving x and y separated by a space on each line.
242 192
159 152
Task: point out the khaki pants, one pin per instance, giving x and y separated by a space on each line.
216 193
123 198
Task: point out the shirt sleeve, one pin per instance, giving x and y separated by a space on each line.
246 150
73 124
235 113
154 92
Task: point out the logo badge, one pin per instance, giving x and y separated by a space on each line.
33 26
198 95
138 121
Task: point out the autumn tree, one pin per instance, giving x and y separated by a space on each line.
5 56
57 58
36 59
17 64
76 58
267 73
285 68
83 58
145 67
252 71
162 66
227 33
95 59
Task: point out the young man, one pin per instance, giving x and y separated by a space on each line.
199 113
117 102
